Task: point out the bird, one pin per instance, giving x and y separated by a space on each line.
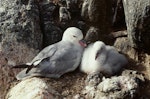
101 58
56 59
92 35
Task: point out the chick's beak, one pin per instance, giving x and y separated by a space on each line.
83 43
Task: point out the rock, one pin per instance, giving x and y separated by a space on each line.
122 43
49 22
72 5
97 13
83 26
121 87
118 34
74 8
48 11
118 15
93 79
139 60
137 14
20 32
64 18
52 33
134 74
93 35
33 88
64 14
20 37
125 86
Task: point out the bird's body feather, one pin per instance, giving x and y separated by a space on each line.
107 60
54 60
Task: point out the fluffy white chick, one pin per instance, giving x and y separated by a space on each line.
99 57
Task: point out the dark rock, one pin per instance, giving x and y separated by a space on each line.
72 5
74 8
83 26
48 11
52 34
118 15
137 14
93 34
49 22
97 13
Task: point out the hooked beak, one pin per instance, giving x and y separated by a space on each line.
83 43
88 41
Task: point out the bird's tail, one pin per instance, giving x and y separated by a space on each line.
29 67
21 66
23 75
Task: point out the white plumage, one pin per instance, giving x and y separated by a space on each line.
99 57
57 59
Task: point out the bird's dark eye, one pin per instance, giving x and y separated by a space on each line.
74 36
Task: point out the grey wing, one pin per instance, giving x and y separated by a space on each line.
46 52
63 60
59 65
116 60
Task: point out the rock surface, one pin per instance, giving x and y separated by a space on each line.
49 15
31 21
33 88
116 87
20 37
118 15
137 14
98 14
20 32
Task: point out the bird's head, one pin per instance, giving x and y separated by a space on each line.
74 35
98 47
92 35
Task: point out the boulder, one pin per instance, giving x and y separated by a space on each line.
33 88
21 37
98 13
49 16
137 15
125 86
118 15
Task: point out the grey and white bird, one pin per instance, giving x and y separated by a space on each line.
99 57
57 59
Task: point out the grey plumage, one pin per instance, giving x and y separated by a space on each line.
57 59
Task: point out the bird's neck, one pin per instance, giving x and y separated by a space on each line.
102 56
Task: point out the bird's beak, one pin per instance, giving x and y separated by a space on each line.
83 43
